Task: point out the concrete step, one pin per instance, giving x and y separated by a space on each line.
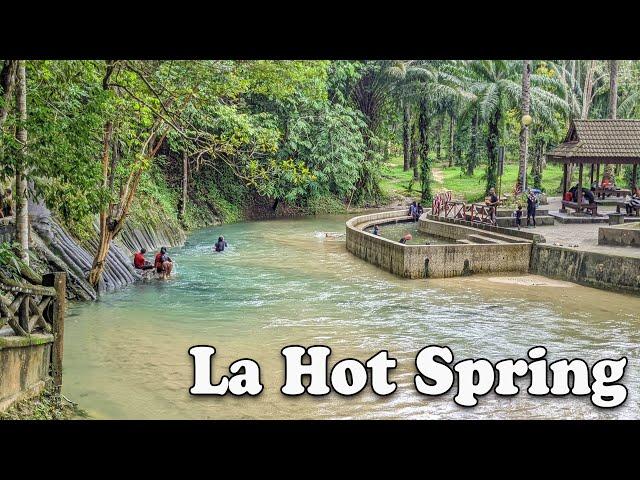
501 237
477 238
464 241
578 218
511 222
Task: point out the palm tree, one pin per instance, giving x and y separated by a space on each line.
496 86
423 83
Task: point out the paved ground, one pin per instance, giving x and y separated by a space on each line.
580 236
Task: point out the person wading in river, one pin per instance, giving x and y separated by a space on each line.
220 244
163 264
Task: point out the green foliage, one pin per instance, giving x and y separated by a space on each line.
323 205
65 105
46 406
9 260
315 135
328 138
629 181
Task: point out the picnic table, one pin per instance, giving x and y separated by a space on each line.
607 192
617 202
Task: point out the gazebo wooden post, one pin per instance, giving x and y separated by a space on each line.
634 175
579 192
564 185
591 176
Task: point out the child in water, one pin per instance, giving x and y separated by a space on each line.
406 238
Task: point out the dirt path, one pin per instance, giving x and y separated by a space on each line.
438 176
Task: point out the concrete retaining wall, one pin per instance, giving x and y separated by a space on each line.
24 367
525 235
432 261
620 235
609 272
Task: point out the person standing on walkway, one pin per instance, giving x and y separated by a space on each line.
518 215
531 208
413 211
492 201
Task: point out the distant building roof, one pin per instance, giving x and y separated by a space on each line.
615 141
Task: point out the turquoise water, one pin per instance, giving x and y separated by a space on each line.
283 282
395 231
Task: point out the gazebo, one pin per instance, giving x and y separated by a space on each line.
594 143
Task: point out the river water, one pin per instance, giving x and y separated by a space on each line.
283 282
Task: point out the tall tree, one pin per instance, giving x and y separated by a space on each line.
406 134
613 89
438 136
613 99
130 87
496 86
22 203
185 184
472 160
452 129
524 129
425 166
415 149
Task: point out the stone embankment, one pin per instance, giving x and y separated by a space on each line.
480 248
466 255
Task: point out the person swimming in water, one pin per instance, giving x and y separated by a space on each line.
163 264
221 244
406 238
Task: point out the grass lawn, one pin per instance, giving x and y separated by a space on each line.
397 182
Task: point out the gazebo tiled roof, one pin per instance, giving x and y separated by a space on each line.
606 141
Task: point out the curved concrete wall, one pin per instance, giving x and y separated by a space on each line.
431 261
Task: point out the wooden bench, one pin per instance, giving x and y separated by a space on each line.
593 207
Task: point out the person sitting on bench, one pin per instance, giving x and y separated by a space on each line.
574 193
588 194
633 203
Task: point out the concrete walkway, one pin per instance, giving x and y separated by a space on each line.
583 236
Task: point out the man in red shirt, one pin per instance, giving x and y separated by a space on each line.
140 262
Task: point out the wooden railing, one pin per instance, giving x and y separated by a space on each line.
455 210
481 213
28 308
443 206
